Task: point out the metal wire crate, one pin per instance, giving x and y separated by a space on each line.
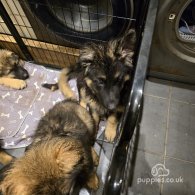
52 31
43 44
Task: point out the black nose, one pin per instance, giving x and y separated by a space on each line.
20 73
25 74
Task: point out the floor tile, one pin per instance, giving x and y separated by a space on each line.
156 89
142 172
153 125
184 172
185 95
181 133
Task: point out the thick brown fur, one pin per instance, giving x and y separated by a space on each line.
103 75
61 158
12 73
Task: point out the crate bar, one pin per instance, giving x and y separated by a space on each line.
115 177
14 32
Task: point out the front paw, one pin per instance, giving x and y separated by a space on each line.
93 182
95 157
18 84
110 131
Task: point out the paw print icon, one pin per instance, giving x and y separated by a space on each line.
159 170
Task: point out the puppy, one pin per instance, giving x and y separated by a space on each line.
12 73
61 159
103 76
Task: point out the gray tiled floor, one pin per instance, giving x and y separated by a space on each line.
142 171
153 125
183 170
167 136
184 95
181 133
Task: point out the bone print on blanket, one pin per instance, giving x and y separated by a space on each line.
20 110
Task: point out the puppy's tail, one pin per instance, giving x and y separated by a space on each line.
65 75
63 84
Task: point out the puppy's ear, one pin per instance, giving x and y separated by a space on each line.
127 46
86 57
13 58
129 40
87 53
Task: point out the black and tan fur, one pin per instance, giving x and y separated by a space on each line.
12 73
103 75
61 158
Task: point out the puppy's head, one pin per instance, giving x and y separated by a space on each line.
47 168
108 67
11 65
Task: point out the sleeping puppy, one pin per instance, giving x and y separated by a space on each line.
60 160
103 75
12 73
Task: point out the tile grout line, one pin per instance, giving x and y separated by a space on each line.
147 151
166 133
167 124
179 101
164 98
179 159
155 96
161 155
